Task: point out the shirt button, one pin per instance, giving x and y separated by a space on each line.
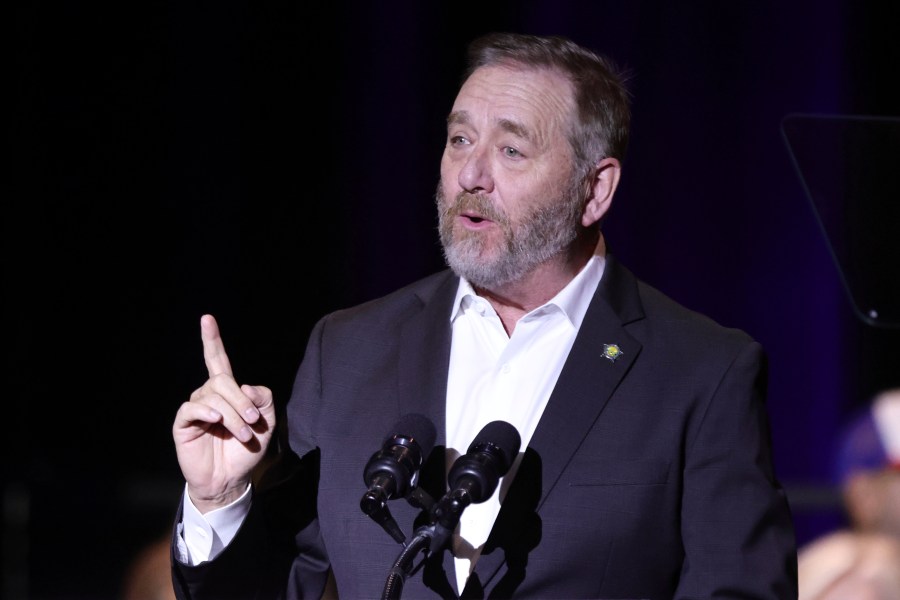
506 368
479 308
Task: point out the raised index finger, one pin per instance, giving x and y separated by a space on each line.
213 348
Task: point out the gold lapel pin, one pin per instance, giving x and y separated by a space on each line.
611 352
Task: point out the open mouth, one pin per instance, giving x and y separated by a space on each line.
474 218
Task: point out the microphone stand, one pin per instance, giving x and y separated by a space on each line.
402 568
428 538
422 539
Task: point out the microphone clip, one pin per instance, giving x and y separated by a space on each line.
393 472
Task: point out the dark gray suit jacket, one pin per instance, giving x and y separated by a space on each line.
649 476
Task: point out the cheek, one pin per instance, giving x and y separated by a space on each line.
449 171
528 194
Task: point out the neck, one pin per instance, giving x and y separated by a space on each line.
517 298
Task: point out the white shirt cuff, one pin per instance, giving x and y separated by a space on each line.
205 536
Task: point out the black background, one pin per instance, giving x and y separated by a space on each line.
271 161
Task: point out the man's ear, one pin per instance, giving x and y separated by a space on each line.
601 189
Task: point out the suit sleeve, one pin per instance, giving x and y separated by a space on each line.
736 523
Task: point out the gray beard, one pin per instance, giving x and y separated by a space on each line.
537 237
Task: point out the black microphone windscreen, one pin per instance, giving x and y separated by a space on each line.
501 435
417 427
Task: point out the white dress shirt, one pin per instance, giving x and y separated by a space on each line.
492 376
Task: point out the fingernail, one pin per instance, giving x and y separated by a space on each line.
244 434
251 413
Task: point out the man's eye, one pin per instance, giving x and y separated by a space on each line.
458 140
511 152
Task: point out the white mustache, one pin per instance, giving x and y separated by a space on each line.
478 205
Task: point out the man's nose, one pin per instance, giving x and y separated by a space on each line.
475 174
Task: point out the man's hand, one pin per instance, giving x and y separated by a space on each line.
222 433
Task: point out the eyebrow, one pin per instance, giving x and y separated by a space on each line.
461 117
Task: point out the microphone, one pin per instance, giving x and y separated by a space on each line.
392 472
474 476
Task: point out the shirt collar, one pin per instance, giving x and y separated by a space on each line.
572 300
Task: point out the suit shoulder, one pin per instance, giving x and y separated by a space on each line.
664 312
400 302
653 315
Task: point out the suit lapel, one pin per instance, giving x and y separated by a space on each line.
589 376
422 388
585 384
425 356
